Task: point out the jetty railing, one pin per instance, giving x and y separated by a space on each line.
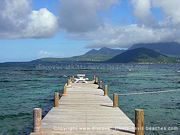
139 113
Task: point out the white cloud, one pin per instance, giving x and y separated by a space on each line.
142 12
146 30
17 20
41 23
142 8
45 54
171 9
82 15
124 36
81 20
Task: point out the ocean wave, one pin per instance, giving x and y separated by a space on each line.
5 81
28 80
11 116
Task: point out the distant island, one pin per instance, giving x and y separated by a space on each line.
139 53
169 48
143 55
93 55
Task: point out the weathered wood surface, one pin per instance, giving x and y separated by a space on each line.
85 110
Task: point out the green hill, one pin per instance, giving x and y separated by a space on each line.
142 55
102 54
169 48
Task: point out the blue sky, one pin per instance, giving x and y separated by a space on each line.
30 49
44 28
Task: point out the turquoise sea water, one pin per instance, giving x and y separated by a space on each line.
24 87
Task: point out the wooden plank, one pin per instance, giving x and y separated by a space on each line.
85 110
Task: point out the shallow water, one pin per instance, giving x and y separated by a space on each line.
24 87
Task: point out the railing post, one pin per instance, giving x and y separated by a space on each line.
73 79
65 90
139 122
56 99
106 90
94 78
37 117
101 84
69 82
96 81
115 100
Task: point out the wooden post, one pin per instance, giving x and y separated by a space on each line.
68 83
96 81
70 79
139 122
73 79
65 90
94 78
115 100
37 116
101 84
106 90
56 99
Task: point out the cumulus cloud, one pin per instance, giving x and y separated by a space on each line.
145 30
124 36
41 23
82 15
142 12
18 20
82 20
142 8
171 8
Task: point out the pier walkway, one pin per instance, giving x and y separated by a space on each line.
83 109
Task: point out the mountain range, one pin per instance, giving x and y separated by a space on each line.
138 53
142 55
102 54
169 48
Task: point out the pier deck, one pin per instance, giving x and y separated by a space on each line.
85 110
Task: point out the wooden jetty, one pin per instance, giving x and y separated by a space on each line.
86 109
